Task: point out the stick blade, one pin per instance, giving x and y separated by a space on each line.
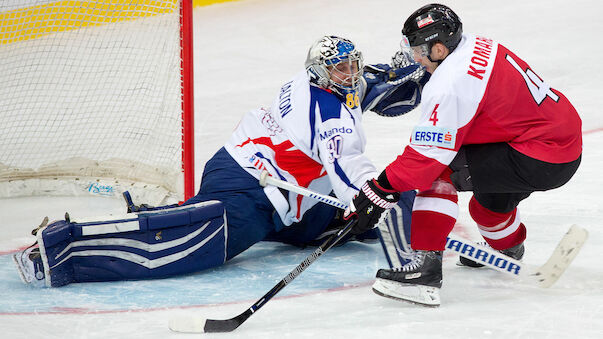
562 256
220 326
186 324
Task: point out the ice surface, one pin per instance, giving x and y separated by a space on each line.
243 52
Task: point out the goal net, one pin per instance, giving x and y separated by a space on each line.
96 98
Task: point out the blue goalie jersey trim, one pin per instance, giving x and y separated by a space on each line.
329 104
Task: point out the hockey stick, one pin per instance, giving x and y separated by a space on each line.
201 325
543 276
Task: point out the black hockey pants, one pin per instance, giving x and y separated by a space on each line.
500 177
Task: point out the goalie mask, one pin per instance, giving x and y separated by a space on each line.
335 63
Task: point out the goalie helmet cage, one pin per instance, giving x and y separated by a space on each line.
96 97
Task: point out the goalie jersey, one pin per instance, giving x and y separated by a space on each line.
309 137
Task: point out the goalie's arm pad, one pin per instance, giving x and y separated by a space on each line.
392 92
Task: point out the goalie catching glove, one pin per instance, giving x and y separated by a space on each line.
369 205
392 92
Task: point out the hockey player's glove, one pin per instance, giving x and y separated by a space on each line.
369 205
380 73
391 92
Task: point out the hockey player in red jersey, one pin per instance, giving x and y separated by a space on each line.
489 124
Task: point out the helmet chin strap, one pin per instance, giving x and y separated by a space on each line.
436 61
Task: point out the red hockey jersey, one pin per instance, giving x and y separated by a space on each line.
483 93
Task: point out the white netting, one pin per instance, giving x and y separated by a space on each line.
90 94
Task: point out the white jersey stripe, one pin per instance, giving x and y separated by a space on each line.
442 155
496 235
438 205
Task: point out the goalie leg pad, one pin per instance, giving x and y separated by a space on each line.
148 245
394 231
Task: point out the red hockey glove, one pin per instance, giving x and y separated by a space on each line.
369 204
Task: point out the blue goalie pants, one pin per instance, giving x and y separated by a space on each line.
152 244
251 216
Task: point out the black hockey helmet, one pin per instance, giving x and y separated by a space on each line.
433 23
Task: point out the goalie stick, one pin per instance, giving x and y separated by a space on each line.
542 276
201 325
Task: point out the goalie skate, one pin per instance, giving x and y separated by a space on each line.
30 267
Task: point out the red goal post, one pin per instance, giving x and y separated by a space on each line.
96 97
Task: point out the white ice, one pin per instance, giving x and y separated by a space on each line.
243 52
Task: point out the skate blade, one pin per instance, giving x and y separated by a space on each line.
416 294
20 268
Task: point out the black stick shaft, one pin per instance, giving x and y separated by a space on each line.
229 325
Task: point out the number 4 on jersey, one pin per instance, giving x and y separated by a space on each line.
539 89
434 115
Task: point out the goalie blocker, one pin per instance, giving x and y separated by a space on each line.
152 244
